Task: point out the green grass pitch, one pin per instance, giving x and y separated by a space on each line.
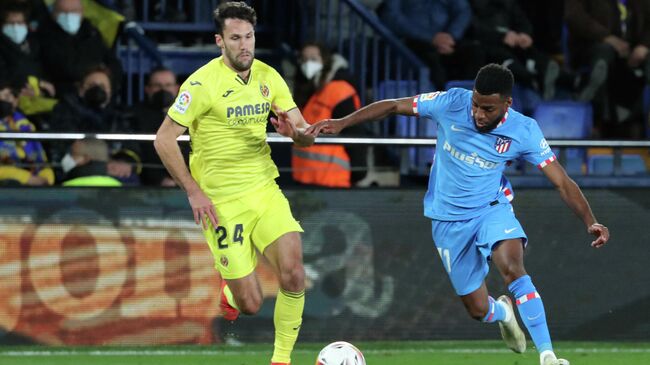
376 353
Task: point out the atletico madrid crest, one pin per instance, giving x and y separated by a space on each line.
502 145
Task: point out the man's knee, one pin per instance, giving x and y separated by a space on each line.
250 303
512 271
292 277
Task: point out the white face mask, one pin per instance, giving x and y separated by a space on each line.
311 68
16 32
68 163
70 22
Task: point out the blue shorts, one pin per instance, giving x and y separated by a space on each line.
466 246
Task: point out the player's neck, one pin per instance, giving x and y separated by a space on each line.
244 75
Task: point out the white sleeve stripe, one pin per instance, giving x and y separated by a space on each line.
546 162
415 105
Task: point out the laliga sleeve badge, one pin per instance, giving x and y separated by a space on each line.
183 102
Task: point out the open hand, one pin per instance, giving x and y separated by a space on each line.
600 232
283 124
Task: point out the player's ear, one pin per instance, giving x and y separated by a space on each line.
509 101
218 40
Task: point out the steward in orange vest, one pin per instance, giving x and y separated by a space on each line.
325 165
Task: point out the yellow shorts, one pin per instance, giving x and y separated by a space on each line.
251 222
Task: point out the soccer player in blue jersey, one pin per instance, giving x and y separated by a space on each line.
468 199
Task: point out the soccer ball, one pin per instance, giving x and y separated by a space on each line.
340 353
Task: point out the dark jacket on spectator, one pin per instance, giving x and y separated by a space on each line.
422 19
72 115
591 21
17 61
493 18
67 57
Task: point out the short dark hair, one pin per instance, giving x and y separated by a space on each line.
14 7
155 70
98 68
233 10
494 79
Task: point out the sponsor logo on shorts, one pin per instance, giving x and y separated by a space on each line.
224 261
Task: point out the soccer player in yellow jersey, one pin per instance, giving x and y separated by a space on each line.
225 105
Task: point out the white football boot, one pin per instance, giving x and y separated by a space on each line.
548 358
510 331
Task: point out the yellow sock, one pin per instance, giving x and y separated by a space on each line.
229 297
287 319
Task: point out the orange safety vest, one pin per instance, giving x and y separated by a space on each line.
326 165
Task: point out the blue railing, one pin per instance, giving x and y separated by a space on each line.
374 53
139 55
383 65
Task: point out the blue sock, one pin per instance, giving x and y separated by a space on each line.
496 312
531 311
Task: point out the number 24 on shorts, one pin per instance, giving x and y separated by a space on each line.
222 234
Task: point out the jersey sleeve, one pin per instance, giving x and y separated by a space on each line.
433 104
281 95
193 100
536 149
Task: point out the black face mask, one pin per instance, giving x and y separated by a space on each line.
6 109
162 99
95 97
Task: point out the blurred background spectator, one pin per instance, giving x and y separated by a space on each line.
323 90
434 30
160 91
87 164
71 45
21 162
21 61
611 38
91 110
505 32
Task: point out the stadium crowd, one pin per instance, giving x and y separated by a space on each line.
59 72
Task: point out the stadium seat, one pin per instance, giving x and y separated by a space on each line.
566 120
603 165
463 84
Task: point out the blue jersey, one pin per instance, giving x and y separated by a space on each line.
467 171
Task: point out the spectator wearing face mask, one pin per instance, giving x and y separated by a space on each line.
21 62
324 90
160 91
87 164
71 44
91 110
21 162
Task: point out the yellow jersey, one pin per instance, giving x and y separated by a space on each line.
226 117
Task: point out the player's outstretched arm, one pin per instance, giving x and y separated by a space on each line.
573 197
293 125
170 154
375 111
